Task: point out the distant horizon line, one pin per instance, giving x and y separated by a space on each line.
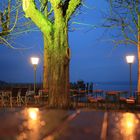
94 82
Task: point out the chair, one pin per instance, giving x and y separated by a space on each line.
122 99
1 98
82 95
112 99
137 96
99 94
92 101
6 97
101 102
15 97
23 96
43 94
30 96
74 97
131 103
37 96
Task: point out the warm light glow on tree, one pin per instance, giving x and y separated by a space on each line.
54 26
25 4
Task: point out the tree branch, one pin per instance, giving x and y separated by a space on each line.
65 7
4 41
5 20
125 41
57 7
37 17
73 4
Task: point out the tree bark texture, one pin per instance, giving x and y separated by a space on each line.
56 68
56 48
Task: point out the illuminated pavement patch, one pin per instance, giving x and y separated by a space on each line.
29 123
99 125
43 124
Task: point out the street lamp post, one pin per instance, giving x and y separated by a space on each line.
130 61
34 61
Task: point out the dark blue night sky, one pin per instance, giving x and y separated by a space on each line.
94 57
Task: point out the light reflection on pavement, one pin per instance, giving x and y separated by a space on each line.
29 123
32 124
124 126
43 124
88 126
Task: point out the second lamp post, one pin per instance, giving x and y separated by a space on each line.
130 61
34 61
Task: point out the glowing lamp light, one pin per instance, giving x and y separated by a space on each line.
130 58
34 60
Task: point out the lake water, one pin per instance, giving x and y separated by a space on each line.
115 86
119 86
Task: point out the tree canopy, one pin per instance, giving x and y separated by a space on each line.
123 18
13 22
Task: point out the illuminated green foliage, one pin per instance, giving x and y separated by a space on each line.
52 19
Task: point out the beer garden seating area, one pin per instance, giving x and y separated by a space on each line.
11 97
80 95
102 99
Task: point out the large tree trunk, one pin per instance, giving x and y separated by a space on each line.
56 50
58 92
56 69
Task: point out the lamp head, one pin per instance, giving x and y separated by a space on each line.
34 60
130 59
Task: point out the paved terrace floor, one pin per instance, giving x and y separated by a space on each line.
82 124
